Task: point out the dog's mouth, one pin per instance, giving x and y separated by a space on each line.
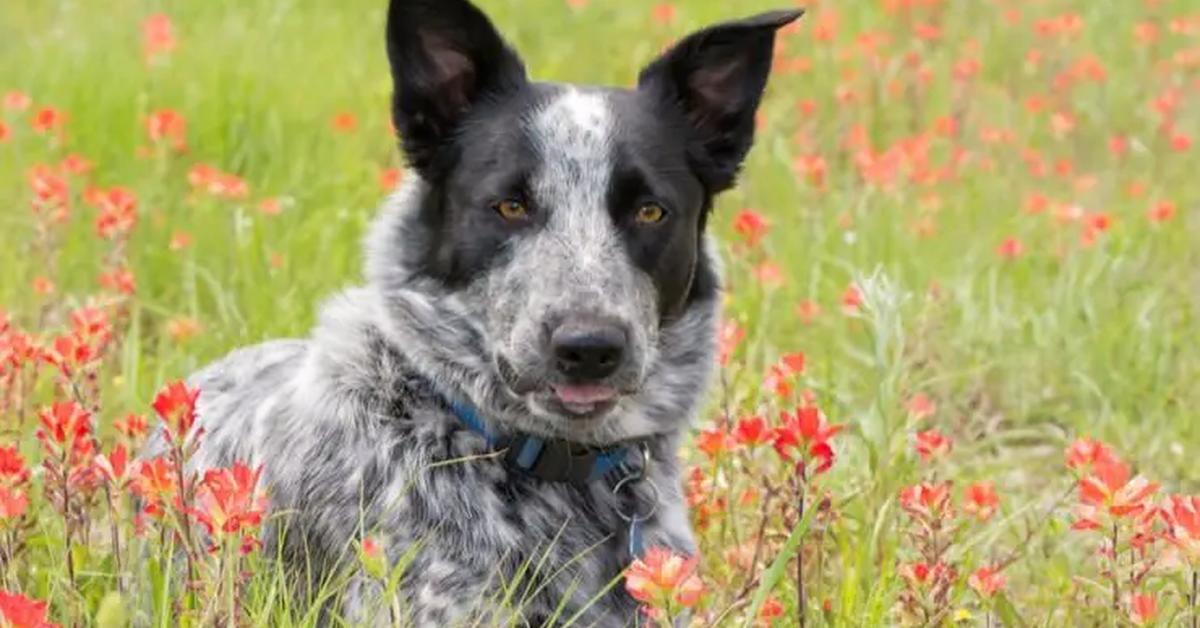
585 399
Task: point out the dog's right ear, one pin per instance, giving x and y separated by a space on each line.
446 57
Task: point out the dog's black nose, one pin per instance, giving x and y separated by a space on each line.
588 350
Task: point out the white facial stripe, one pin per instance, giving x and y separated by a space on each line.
573 135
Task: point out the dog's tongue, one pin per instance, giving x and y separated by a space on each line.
584 394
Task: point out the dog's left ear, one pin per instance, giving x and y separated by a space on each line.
716 78
446 57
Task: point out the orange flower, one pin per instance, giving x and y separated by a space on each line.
13 471
980 500
808 311
133 426
1109 490
926 501
751 226
167 125
180 240
344 122
13 504
155 483
664 12
75 164
48 119
986 581
182 329
921 407
1161 211
118 213
67 431
17 100
1010 248
1085 452
932 444
118 280
663 579
1183 520
1143 608
5 132
806 428
389 178
175 405
714 442
851 300
728 339
770 612
158 37
19 611
270 207
115 466
229 502
751 431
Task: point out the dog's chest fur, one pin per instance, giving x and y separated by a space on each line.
356 443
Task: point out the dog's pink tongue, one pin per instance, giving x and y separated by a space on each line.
584 394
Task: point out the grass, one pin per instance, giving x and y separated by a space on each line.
1089 331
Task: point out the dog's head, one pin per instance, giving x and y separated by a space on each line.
562 228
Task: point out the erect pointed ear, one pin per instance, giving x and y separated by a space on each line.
716 78
446 57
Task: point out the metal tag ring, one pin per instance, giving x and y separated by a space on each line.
628 482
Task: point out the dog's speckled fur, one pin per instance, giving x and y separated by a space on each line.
351 424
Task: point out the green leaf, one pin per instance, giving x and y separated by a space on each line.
111 613
1007 612
775 573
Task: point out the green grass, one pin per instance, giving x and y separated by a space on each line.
1021 355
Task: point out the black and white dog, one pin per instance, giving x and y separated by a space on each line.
502 403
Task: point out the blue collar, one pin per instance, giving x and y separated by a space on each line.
553 460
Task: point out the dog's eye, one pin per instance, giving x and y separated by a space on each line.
651 214
511 210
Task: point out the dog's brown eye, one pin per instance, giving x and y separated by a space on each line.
650 214
511 210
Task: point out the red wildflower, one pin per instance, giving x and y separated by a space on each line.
66 431
1181 142
229 502
158 37
175 405
75 164
167 125
5 132
133 426
1161 211
344 122
751 226
118 280
19 611
1183 521
664 12
851 300
714 442
926 501
114 467
980 500
1143 608
1010 248
808 311
118 213
663 579
389 178
1085 452
728 339
986 581
270 207
48 119
180 240
932 444
921 407
155 482
13 471
1109 490
50 192
13 504
17 100
806 432
751 431
922 574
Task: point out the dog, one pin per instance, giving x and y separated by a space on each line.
501 404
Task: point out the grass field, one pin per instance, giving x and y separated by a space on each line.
978 222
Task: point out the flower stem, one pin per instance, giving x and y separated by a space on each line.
1116 593
116 538
800 601
1196 598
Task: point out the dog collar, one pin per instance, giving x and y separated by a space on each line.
556 460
